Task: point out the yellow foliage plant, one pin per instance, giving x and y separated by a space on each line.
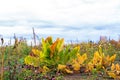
77 63
115 71
100 61
34 58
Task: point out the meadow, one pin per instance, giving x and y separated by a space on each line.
54 60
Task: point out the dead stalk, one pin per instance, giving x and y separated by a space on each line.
2 60
34 36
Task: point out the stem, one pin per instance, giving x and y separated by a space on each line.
2 68
34 36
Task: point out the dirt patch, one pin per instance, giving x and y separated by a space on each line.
85 77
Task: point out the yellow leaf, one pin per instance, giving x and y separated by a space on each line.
61 67
112 74
78 55
68 71
45 69
108 57
84 56
77 48
36 52
53 47
29 60
117 67
112 58
106 61
118 73
113 67
48 39
90 66
79 59
76 66
60 45
96 54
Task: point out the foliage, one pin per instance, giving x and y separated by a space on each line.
78 62
115 71
53 59
52 53
100 61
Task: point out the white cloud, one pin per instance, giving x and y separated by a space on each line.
9 31
66 12
60 15
26 30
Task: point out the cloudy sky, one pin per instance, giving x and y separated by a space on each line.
71 19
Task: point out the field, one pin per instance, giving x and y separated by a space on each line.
54 60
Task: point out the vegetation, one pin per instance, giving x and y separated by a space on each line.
53 60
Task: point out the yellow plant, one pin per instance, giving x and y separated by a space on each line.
53 53
30 60
38 53
49 50
76 65
115 71
79 61
34 58
108 60
90 67
100 60
64 68
97 60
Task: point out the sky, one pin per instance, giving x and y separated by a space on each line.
81 20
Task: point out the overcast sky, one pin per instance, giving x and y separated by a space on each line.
70 19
